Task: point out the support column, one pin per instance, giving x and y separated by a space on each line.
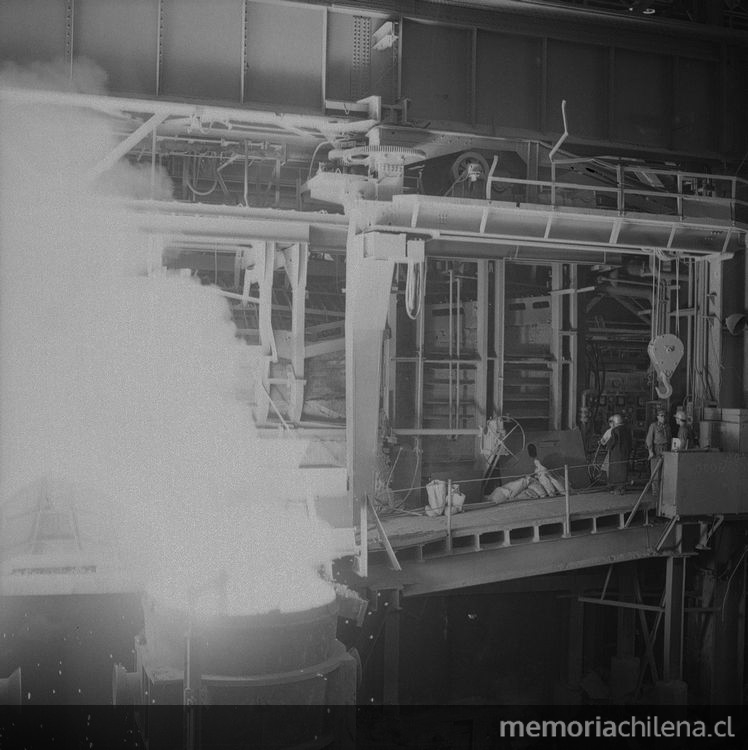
624 666
570 693
370 263
368 282
498 334
626 632
723 641
481 372
296 269
675 581
555 417
391 688
714 317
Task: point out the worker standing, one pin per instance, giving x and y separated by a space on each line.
619 452
658 441
604 444
685 433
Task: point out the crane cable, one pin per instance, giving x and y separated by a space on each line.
415 279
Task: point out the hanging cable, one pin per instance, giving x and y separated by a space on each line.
197 162
314 156
414 282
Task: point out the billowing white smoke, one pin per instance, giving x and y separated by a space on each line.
132 384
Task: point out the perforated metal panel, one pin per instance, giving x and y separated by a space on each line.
354 69
361 62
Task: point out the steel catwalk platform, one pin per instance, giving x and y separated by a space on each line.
520 539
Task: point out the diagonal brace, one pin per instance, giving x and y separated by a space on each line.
130 142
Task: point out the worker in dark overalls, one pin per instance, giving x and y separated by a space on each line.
658 441
619 453
685 433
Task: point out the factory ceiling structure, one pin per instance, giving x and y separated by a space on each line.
462 236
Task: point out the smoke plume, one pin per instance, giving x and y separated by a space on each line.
130 386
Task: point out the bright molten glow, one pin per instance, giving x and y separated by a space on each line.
132 384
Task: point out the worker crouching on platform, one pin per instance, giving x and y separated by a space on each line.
657 441
619 452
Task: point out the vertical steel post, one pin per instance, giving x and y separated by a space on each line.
390 692
400 28
556 349
481 372
362 561
575 644
323 81
243 73
610 110
473 83
449 515
621 199
458 414
159 44
154 146
567 503
498 333
69 35
451 337
420 337
675 582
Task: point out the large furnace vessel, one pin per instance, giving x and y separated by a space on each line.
276 659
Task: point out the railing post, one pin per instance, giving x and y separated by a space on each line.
679 198
658 470
567 520
553 184
449 515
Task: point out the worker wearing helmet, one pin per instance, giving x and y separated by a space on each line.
657 441
619 452
685 434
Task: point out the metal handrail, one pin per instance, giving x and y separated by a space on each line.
623 190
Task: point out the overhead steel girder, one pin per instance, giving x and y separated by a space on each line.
233 225
190 118
584 234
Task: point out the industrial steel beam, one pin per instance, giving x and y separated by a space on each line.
308 126
132 140
520 561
